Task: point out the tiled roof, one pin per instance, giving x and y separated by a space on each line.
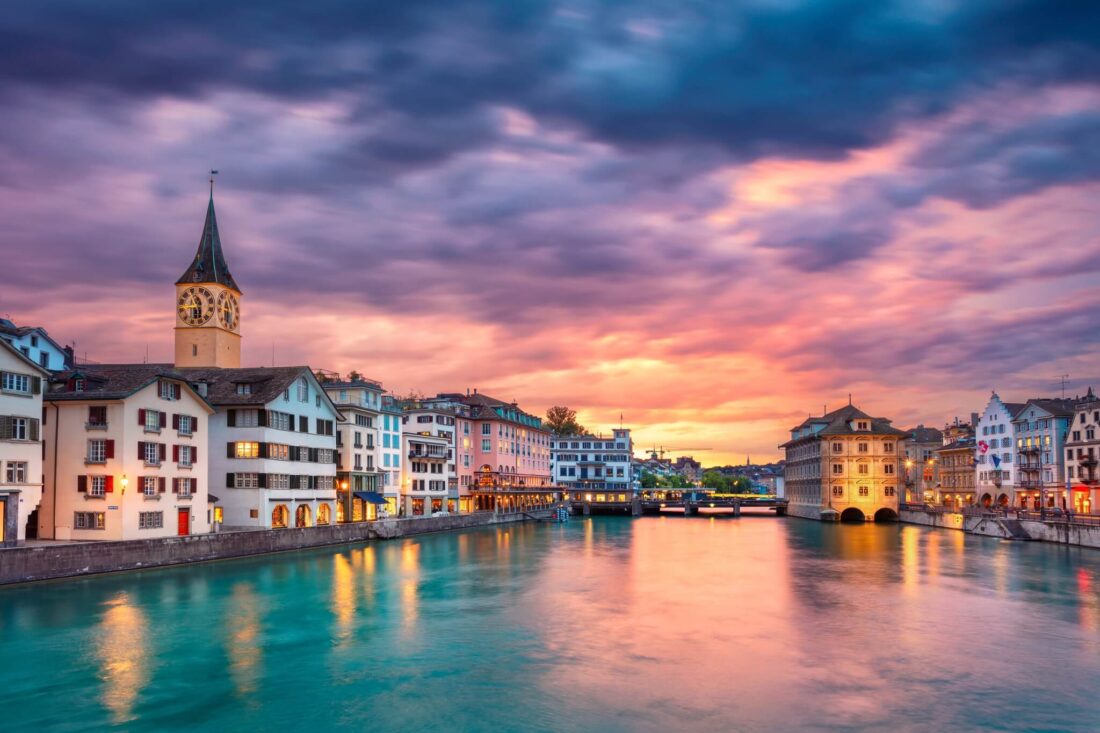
1055 406
109 381
921 434
209 265
837 423
267 382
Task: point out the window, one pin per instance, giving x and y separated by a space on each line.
246 480
97 451
19 428
244 388
863 447
863 491
185 455
861 425
184 486
888 469
278 481
16 472
16 383
486 445
247 418
838 491
186 425
151 453
152 421
89 520
303 390
889 491
838 468
888 447
97 485
149 485
168 391
150 520
97 416
863 469
275 450
326 455
838 447
246 450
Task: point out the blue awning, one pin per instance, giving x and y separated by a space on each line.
372 497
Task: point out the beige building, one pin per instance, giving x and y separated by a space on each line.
956 465
921 470
126 457
844 465
21 383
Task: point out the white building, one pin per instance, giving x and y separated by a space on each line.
1082 455
21 382
1040 432
583 462
35 344
126 456
390 453
272 445
994 437
429 483
358 464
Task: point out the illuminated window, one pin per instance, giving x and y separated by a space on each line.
247 450
863 491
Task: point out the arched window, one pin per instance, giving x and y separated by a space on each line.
322 514
280 515
302 516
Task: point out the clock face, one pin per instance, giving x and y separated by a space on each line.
228 311
195 306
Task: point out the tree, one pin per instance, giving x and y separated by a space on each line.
354 376
741 485
716 481
676 481
648 480
563 421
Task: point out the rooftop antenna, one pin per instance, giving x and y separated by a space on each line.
1064 378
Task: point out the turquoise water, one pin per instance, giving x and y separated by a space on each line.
656 624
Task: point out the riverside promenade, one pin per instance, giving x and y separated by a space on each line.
52 560
1082 530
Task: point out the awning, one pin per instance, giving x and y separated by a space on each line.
211 499
372 497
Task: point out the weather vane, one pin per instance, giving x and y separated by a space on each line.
212 174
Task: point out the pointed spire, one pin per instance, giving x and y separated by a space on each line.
209 265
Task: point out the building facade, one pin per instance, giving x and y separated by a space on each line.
126 455
1082 454
22 382
390 453
844 465
429 484
956 466
994 450
922 470
594 462
359 474
1040 432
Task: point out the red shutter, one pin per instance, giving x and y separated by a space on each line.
163 450
175 486
91 413
176 391
141 418
194 425
109 484
110 449
194 455
163 420
82 484
141 451
175 421
175 454
160 484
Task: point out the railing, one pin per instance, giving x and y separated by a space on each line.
1058 515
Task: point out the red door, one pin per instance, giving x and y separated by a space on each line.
185 521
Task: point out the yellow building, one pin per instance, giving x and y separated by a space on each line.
843 465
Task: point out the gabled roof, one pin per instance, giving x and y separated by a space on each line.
921 434
1056 407
10 329
23 358
209 265
113 382
838 422
267 383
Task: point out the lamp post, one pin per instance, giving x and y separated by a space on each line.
125 482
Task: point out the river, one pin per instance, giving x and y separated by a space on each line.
603 624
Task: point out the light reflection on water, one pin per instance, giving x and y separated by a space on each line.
606 624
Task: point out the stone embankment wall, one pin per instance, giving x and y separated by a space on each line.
43 562
1050 531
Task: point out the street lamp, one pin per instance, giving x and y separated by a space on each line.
125 482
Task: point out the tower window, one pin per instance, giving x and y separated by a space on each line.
194 349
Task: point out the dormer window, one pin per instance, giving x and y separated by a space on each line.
244 388
862 425
78 385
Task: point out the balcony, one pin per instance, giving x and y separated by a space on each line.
1029 483
95 426
430 455
1086 460
1028 449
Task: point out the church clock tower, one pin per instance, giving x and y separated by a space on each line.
208 305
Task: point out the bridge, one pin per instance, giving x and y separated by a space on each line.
688 502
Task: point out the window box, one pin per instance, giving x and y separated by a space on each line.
95 426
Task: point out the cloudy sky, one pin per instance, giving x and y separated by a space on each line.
713 217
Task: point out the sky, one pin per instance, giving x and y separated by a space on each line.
710 218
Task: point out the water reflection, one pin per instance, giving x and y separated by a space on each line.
410 575
343 596
242 624
123 652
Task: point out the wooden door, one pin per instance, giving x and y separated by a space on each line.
184 522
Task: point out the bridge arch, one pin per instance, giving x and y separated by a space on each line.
886 514
851 514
